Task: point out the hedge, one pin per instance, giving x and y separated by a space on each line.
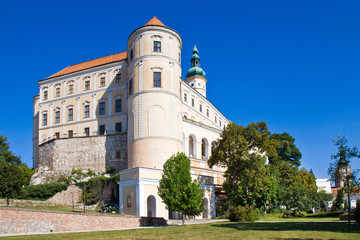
42 191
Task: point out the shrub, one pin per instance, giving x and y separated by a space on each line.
357 211
242 214
42 191
345 216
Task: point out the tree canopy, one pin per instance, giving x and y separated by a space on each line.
13 173
176 188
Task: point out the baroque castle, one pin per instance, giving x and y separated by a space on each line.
131 111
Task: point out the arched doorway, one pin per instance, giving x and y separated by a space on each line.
151 206
206 208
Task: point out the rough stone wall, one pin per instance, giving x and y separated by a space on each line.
14 220
93 153
71 195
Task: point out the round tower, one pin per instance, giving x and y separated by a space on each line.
195 77
154 102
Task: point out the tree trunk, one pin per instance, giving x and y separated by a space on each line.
183 218
7 201
348 194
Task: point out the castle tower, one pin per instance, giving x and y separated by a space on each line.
154 102
195 77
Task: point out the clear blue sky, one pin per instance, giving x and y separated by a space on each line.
293 64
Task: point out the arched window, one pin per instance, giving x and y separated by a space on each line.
191 146
204 148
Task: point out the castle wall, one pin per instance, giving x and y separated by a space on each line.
93 153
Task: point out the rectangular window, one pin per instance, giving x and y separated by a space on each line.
130 87
44 119
87 131
102 109
118 78
102 82
207 112
118 105
71 89
102 130
45 95
87 85
192 102
118 155
157 46
200 108
70 114
57 135
87 111
118 127
215 120
57 92
157 79
57 116
131 54
185 97
70 133
220 123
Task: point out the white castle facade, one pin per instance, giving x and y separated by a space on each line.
131 111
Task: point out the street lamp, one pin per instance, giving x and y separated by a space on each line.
84 196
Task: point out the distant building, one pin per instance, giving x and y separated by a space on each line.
131 111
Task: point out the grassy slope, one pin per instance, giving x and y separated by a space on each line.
257 230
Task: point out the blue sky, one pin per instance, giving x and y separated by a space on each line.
293 64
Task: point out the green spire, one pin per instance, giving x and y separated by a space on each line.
195 65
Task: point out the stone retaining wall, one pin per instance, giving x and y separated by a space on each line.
94 152
14 220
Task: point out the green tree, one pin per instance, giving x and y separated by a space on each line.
13 173
339 200
285 149
346 205
177 190
339 170
5 154
242 151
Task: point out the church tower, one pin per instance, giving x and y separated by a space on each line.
154 102
195 77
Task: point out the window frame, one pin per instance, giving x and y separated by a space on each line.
157 79
57 116
71 89
57 91
87 131
116 127
118 106
70 114
70 133
102 82
44 119
102 130
87 85
87 111
157 46
102 109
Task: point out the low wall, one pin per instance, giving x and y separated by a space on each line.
14 220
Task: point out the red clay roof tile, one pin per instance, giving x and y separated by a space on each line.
154 21
92 63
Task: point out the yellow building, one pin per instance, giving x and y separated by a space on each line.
131 111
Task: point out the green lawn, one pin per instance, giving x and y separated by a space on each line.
226 230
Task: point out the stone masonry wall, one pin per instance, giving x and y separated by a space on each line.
14 220
93 153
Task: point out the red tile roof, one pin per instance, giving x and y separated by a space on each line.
92 63
154 21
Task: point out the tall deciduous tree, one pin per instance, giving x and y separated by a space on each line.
285 148
13 173
176 188
242 151
339 170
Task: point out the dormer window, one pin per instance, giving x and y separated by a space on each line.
45 95
87 85
118 78
157 46
71 88
57 92
102 82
